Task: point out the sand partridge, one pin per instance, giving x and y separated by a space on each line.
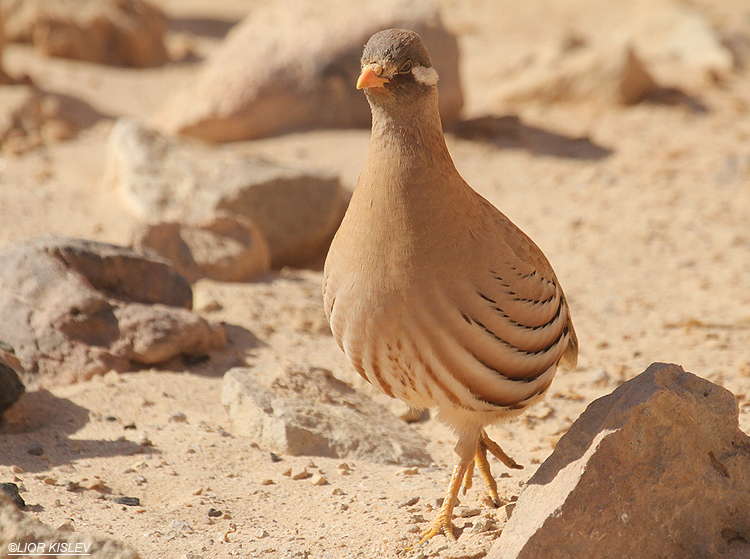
434 295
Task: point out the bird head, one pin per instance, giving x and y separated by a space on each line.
395 61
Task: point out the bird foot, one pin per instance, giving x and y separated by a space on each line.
441 524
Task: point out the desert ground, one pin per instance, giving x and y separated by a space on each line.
643 210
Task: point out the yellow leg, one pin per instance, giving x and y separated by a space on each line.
484 470
468 453
468 479
495 449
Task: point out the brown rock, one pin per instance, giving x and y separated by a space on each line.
307 411
228 248
293 65
16 528
11 386
296 210
118 32
72 309
657 468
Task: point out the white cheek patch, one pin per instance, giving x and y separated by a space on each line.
426 76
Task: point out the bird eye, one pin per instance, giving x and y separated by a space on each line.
405 67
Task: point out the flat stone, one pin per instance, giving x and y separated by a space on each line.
307 411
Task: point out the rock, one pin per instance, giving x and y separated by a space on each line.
11 490
19 529
227 248
299 472
118 32
30 118
679 45
657 468
293 65
307 411
612 74
162 179
11 386
128 501
318 479
73 309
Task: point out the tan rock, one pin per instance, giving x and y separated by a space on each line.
610 75
293 65
16 528
118 32
227 248
657 468
306 411
297 210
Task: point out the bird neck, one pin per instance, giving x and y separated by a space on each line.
409 134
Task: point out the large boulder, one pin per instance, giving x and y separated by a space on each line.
117 32
293 65
306 411
72 309
34 538
163 179
657 468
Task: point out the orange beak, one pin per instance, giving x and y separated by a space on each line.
370 78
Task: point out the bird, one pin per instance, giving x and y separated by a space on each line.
433 294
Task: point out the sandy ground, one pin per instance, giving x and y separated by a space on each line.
651 243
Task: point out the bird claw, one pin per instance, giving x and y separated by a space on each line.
441 524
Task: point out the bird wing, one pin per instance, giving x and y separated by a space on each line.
502 329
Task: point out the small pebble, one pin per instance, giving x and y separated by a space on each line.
466 512
178 417
145 441
601 379
343 506
50 481
35 450
409 502
17 469
130 425
267 482
337 491
416 519
72 486
111 418
261 533
65 527
139 479
180 526
129 501
481 525
11 490
275 457
214 513
409 471
299 472
318 479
